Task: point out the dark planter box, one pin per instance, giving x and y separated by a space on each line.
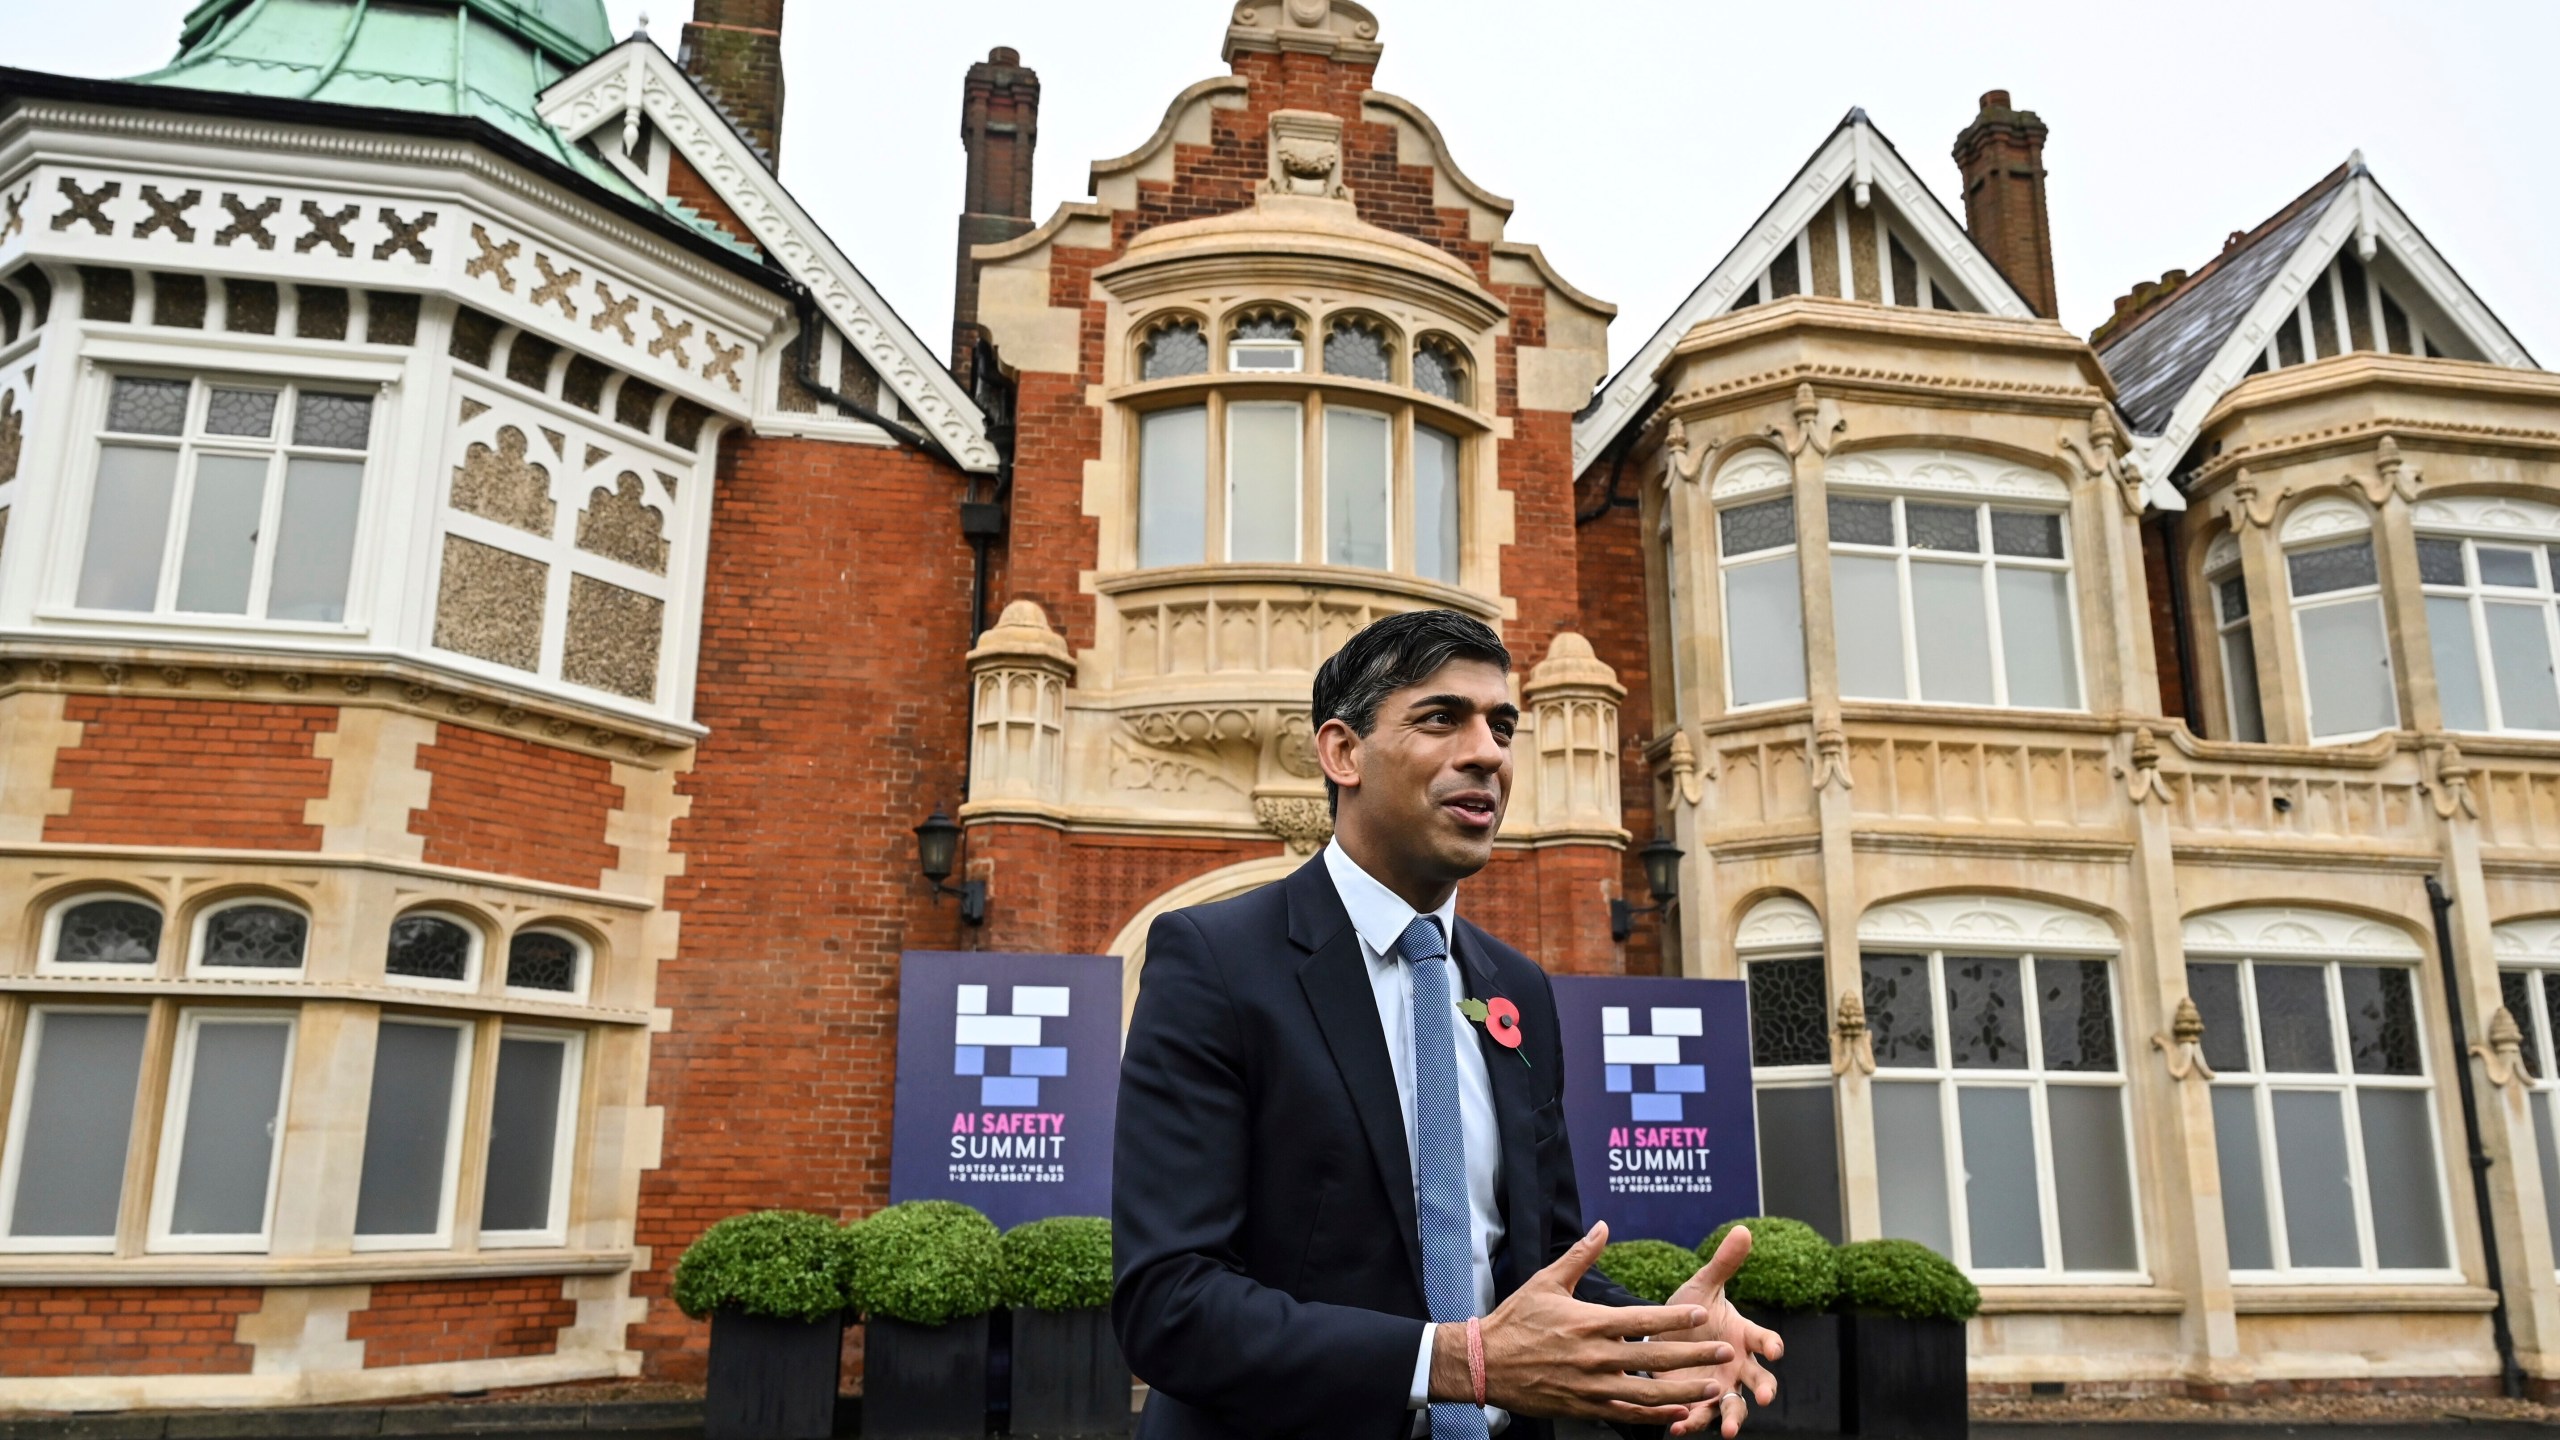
1068 1377
772 1379
924 1382
1808 1378
1901 1379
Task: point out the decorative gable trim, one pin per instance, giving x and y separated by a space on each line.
1856 157
638 79
2362 213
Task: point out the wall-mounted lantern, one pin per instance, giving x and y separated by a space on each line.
1661 876
937 851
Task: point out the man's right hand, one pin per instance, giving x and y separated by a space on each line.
1549 1354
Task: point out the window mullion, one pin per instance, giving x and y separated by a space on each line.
1213 546
173 545
1991 632
2476 607
262 555
1950 1118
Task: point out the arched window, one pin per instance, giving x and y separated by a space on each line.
1356 345
1266 339
1174 348
550 961
433 947
2337 618
1999 1093
1440 368
2323 1105
251 935
1763 596
2238 646
1780 942
103 931
2488 566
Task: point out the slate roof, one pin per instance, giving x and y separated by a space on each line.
2156 359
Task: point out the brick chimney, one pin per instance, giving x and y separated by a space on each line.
2001 155
734 48
999 126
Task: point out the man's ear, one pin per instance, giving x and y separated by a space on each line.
1338 751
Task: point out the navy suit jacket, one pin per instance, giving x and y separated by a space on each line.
1268 1265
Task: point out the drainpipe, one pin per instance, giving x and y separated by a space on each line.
2510 1374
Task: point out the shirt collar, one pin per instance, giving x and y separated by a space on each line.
1378 913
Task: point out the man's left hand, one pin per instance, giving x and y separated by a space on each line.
1743 1374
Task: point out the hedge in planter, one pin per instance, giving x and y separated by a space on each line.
1788 1285
775 1285
1647 1269
1903 1351
1067 1373
925 1274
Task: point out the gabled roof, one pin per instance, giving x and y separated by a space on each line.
606 100
1857 158
2175 359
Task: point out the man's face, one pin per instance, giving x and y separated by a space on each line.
1426 787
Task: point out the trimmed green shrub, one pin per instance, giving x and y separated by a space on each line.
788 1264
1650 1269
1791 1266
928 1262
1905 1278
1062 1263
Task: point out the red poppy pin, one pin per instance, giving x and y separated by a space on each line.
1500 1019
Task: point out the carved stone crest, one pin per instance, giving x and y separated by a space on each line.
1303 822
1306 154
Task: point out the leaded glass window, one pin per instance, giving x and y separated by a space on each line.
543 960
254 937
1788 1022
429 947
1266 340
1955 603
1439 369
2532 998
1356 346
1763 602
1792 1092
1174 349
107 932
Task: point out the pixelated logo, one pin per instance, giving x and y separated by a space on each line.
1005 1051
1650 1069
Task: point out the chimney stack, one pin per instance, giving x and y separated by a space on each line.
999 126
734 48
2001 155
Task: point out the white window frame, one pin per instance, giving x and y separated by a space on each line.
586 964
1989 563
1386 480
2541 1081
564 1143
1298 408
2225 627
48 951
2295 605
196 966
2476 593
1295 350
190 444
2346 1082
1726 564
1811 1076
457 1110
173 1130
474 958
2036 1080
21 1097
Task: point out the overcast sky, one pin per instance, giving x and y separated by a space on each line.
1638 137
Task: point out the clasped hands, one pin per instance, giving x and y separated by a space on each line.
1684 1364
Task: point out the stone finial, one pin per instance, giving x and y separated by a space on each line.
1021 636
2503 1057
1851 1044
1336 29
2182 1049
1571 665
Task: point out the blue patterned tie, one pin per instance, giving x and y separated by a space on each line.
1440 1158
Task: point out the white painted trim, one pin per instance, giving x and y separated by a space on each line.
457 1108
1750 472
2005 922
586 965
195 966
2535 940
473 954
601 94
1855 155
21 1098
2252 931
48 963
173 1130
1779 922
564 1138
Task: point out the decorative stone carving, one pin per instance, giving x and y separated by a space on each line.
612 640
2391 476
493 257
2145 783
1818 425
1018 675
1133 768
2182 1049
620 525
1850 1042
2449 780
489 604
1294 748
504 486
1573 700
1681 760
2502 1059
1678 461
1830 760
1303 822
1306 154
2102 458
1335 28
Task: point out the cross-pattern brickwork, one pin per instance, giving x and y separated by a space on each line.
154 770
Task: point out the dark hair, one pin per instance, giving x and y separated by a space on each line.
1389 655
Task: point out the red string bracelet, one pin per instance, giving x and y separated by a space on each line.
1475 1356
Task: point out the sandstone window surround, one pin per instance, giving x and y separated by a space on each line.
433 949
2340 635
2000 1108
2324 1106
2488 566
225 497
2236 644
2529 986
1780 944
1358 464
102 933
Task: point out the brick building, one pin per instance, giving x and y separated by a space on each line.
494 589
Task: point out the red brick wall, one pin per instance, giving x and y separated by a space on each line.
835 689
2174 680
516 807
1615 621
686 186
124 1330
428 1322
164 771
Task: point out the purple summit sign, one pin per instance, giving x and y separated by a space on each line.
1008 1078
1657 1082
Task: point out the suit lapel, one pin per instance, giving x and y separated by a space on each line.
1335 976
1514 1096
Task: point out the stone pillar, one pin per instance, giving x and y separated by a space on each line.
1018 714
2404 604
1573 700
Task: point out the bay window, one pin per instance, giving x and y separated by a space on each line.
223 1131
412 1134
1791 1088
2239 651
1763 602
220 499
1305 469
2491 627
2000 1111
533 1109
2337 617
79 1071
2532 997
1952 602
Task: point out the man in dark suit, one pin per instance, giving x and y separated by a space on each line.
1340 1201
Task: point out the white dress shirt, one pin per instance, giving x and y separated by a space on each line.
1380 916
